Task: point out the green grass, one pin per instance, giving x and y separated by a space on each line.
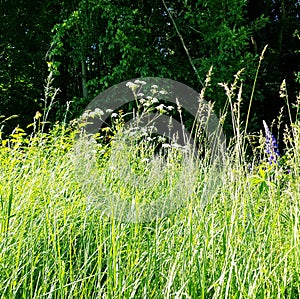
236 234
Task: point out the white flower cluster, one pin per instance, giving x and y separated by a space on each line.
163 108
136 84
97 113
92 113
140 82
148 101
132 86
182 148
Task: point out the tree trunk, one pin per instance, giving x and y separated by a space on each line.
84 78
281 28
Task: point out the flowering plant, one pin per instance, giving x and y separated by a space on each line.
271 148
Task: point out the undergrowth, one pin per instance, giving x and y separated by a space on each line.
235 234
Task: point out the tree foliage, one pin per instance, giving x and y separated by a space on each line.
282 61
90 45
24 41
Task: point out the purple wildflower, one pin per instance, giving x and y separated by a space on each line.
271 145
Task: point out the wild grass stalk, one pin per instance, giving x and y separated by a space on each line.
236 235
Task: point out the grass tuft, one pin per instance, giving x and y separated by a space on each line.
232 232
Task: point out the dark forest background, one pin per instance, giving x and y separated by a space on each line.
90 45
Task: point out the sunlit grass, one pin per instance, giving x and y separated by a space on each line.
235 235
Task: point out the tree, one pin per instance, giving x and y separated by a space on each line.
24 41
107 42
282 60
93 44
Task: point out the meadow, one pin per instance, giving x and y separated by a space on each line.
235 235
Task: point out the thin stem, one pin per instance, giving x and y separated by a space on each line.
183 44
253 88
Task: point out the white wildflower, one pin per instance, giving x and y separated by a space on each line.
139 82
160 107
85 115
99 111
92 114
154 100
132 86
166 145
163 92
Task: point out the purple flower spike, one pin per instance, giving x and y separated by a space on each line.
271 145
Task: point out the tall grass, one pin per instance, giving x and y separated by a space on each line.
235 236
